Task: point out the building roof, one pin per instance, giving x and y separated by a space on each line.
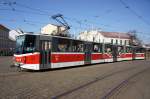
2 27
115 35
54 25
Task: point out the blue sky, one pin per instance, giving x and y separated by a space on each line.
109 15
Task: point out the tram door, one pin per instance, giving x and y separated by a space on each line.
45 54
88 48
115 53
134 53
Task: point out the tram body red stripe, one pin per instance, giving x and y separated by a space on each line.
96 56
59 57
128 55
107 56
139 55
32 59
122 55
28 59
56 58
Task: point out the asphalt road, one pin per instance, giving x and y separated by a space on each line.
85 82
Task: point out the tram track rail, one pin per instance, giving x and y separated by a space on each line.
99 78
123 83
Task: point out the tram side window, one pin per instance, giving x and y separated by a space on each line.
77 46
129 50
140 50
137 51
120 49
108 49
63 45
95 48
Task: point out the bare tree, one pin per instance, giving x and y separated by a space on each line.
134 38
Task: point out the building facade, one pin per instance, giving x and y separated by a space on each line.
52 29
13 34
115 38
6 45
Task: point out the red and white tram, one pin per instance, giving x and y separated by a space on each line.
38 52
139 53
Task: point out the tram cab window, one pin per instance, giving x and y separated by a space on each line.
19 44
77 46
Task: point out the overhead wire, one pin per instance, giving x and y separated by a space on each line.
28 22
42 12
140 17
146 35
46 13
23 11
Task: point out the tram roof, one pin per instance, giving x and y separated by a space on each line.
74 39
58 37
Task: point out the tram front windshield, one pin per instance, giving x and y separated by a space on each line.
25 44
